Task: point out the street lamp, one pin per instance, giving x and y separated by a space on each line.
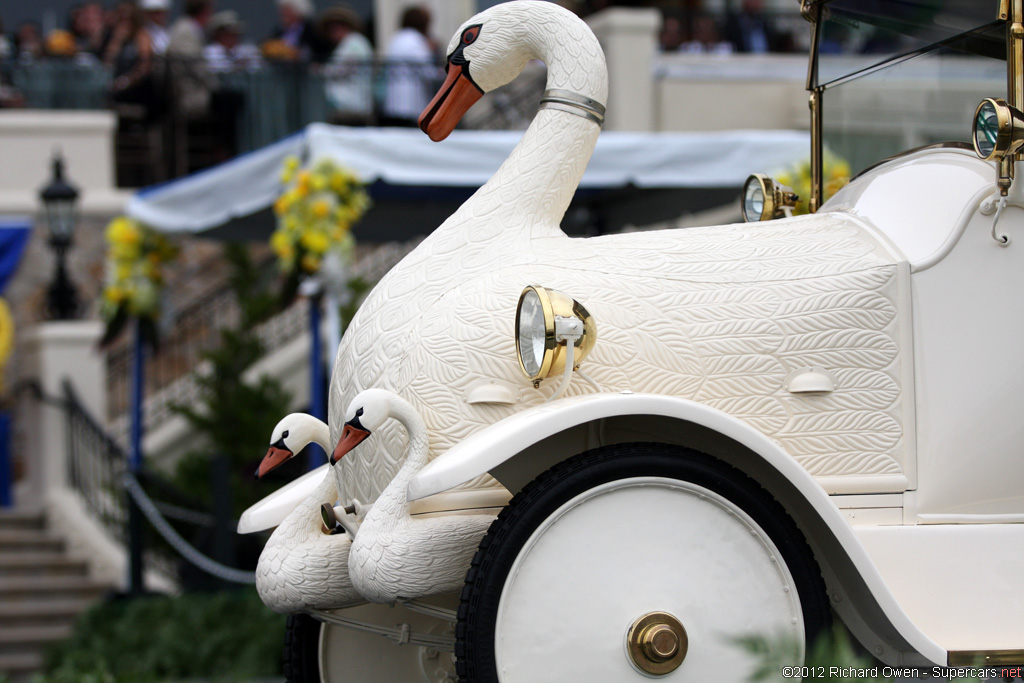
59 199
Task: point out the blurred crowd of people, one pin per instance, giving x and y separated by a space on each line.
155 64
750 29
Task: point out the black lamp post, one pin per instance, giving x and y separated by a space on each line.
59 199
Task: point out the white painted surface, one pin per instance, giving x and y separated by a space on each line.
921 202
968 320
959 583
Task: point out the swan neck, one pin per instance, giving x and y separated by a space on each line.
394 496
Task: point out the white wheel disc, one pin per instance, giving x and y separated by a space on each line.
633 546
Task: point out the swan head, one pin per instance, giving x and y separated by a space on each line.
367 412
293 433
491 49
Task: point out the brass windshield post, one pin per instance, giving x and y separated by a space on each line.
817 160
1012 12
811 11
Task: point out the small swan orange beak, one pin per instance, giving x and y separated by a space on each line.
452 101
274 458
350 438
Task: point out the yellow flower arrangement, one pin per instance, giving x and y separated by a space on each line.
314 213
835 174
136 255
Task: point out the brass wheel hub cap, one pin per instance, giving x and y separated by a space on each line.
657 643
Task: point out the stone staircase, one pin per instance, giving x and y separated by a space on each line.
42 591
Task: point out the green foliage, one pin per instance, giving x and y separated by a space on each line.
234 417
833 656
226 636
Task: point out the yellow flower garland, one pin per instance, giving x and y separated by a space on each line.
134 274
835 174
315 213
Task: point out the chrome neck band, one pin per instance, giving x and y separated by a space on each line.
573 103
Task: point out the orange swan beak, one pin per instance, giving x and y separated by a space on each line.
452 101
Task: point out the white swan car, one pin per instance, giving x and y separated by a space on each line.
638 448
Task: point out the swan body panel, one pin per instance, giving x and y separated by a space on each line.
719 315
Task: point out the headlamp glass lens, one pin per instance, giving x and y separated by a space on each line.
531 333
986 130
753 200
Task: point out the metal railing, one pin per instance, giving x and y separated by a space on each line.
96 465
170 374
97 469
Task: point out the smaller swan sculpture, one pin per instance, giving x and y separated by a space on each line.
396 556
301 567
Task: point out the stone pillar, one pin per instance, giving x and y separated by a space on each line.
629 37
56 351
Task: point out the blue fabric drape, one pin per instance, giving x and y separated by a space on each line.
13 238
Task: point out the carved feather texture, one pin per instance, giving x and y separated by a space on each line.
301 568
719 315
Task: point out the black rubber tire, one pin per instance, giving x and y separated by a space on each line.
301 659
498 550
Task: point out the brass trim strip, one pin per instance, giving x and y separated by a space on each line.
574 103
985 657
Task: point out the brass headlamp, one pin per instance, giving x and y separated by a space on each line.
998 129
546 321
765 199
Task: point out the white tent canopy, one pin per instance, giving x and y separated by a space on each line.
406 157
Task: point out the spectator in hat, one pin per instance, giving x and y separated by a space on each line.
192 80
156 12
226 51
349 71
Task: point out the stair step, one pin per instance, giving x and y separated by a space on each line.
42 612
16 639
20 663
28 540
21 588
29 563
19 519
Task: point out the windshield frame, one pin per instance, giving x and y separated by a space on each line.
815 11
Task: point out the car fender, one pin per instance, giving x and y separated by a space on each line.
856 588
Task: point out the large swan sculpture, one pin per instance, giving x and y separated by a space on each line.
516 211
301 567
395 555
719 315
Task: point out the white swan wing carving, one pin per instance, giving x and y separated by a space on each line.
300 567
394 555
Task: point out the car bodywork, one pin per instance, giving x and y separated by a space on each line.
857 362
